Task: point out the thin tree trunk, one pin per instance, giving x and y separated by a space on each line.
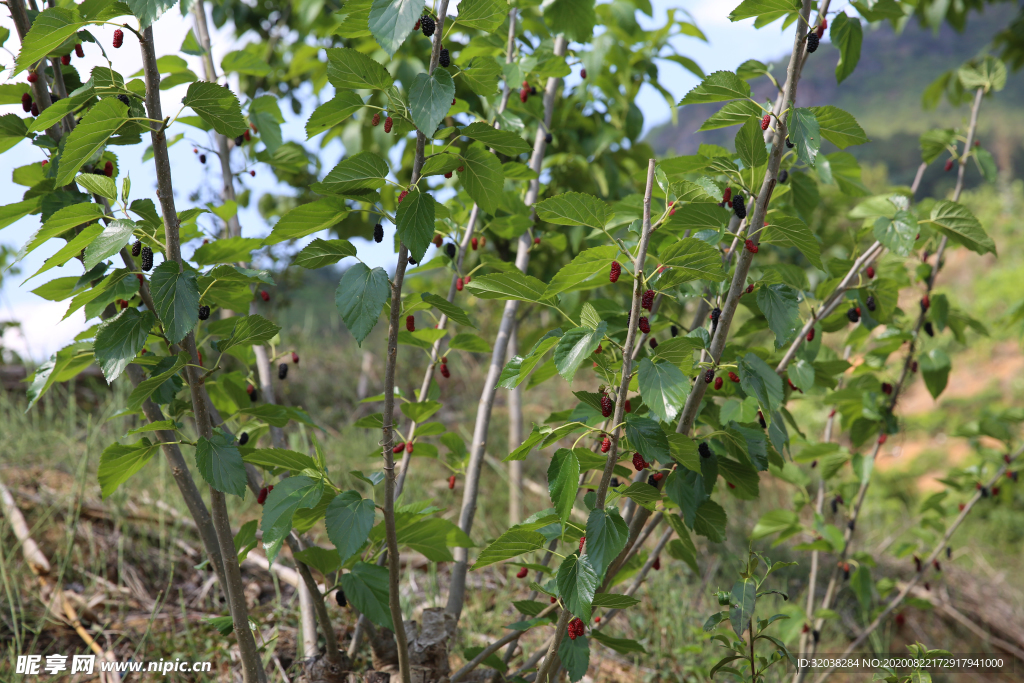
515 437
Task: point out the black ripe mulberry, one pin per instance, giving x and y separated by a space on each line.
445 58
124 100
615 482
716 314
709 376
548 138
378 233
760 418
450 250
853 315
674 330
204 312
704 450
783 176
870 302
615 272
239 140
654 343
427 25
606 406
739 206
282 371
147 258
647 302
789 143
339 595
812 41
651 481
929 330
253 394
243 438
136 247
645 325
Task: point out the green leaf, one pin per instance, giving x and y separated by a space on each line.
220 463
249 330
333 112
623 646
148 11
520 453
575 346
360 297
690 259
781 305
606 537
612 600
646 436
49 31
391 21
321 559
586 265
574 654
710 521
89 137
279 457
958 223
217 106
576 18
847 36
663 387
363 171
469 342
482 177
146 388
366 587
421 410
758 379
118 463
501 141
563 481
731 114
741 608
511 285
440 164
766 11
512 543
574 208
70 250
989 74
349 69
787 231
108 242
430 98
245 62
348 520
484 15
98 184
897 234
935 367
839 127
482 73
750 144
307 219
320 253
415 222
226 250
453 311
774 521
120 339
643 494
577 582
719 86
288 495
176 296
805 134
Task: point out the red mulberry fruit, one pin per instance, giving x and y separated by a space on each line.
733 377
882 439
445 372
32 77
295 358
925 303
765 121
451 482
616 270
375 121
709 376
657 564
409 446
760 419
639 463
474 243
606 406
410 323
629 406
645 325
118 38
886 388
718 383
402 195
458 284
949 164
399 448
261 497
388 123
606 444
583 539
647 302
524 94
265 295
750 246
521 574
108 169
870 271
810 335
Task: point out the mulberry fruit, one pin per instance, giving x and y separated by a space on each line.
253 394
925 303
615 482
606 406
264 295
524 95
474 243
339 596
718 383
645 325
451 482
639 464
388 123
123 99
583 73
709 376
870 302
657 564
398 448
853 315
727 196
450 250
239 140
295 358
445 59
750 246
789 143
812 42
402 195
651 481
576 628
674 330
870 272
34 109
783 176
458 284
929 330
822 26
629 406
583 539
204 312
647 301
949 553
375 121
733 377
108 169
704 450
118 38
378 233
616 271
243 438
767 119
750 288
445 372
136 247
739 206
32 77
810 335
606 444
949 164
202 158
521 574
760 419
147 258
427 25
410 323
548 138
261 497
886 388
882 438
654 343
409 446
715 315
282 371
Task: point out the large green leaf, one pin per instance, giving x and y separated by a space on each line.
148 11
415 222
501 141
766 11
50 29
366 587
574 654
607 533
898 233
220 463
788 231
217 106
574 208
120 339
719 86
430 98
485 15
935 367
118 463
350 69
839 127
176 296
624 646
360 297
576 346
646 436
391 21
750 144
288 495
453 311
690 259
333 112
108 242
847 36
710 521
758 379
146 388
320 253
98 184
575 18
512 543
363 171
482 73
732 114
348 519
586 265
563 481
805 133
279 457
958 223
663 387
511 285
781 305
91 134
698 216
482 177
577 582
741 604
249 330
307 219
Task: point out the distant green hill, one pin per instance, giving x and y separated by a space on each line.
884 93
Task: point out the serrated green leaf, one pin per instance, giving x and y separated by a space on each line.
307 219
349 69
511 285
577 582
839 127
958 223
575 346
606 535
574 208
484 15
430 98
348 520
119 463
587 264
176 296
750 144
51 28
482 177
787 231
732 114
120 339
501 141
217 106
563 481
109 242
366 587
220 463
360 297
710 521
512 543
719 86
663 387
781 305
333 112
415 222
391 21
363 171
847 36
320 253
103 120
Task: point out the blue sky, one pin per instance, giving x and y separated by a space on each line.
42 331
